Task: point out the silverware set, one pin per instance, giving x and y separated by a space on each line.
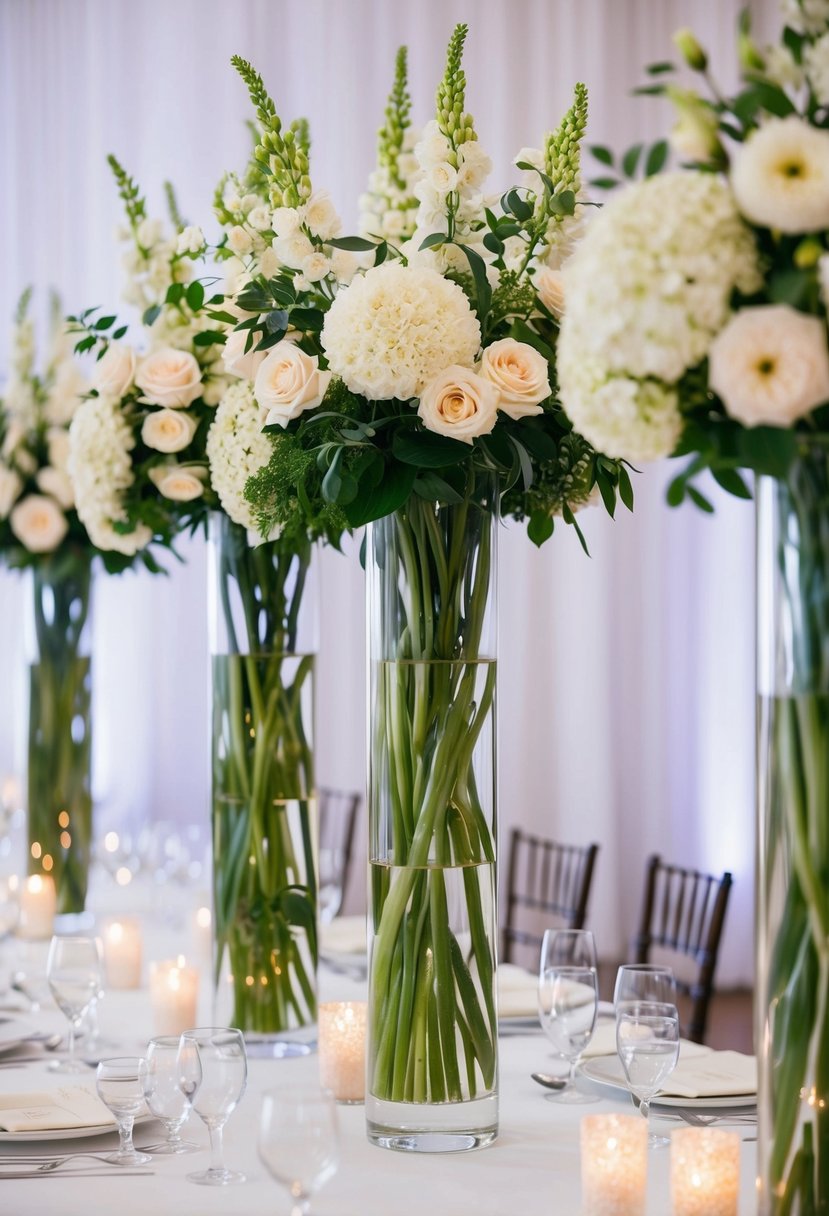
34 1165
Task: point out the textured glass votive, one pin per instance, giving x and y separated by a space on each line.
705 1172
614 1165
342 1049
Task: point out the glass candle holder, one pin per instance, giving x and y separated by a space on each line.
705 1172
342 1049
174 990
122 953
614 1165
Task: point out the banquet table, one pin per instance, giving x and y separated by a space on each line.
532 1169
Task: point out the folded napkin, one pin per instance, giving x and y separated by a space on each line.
517 992
67 1107
716 1074
603 1043
344 935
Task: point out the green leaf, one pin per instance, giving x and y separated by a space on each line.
226 318
383 498
175 293
433 240
277 320
309 319
483 291
493 244
657 156
540 527
427 450
194 295
104 322
119 333
516 205
731 482
625 487
332 481
675 495
209 337
151 315
630 160
768 450
650 90
699 500
524 461
607 491
791 286
604 183
563 203
659 69
434 488
382 253
522 332
569 518
356 244
602 154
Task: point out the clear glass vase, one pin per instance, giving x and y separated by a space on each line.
263 639
792 991
433 1031
60 726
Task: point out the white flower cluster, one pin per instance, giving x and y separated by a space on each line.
816 64
387 211
151 264
100 442
806 16
395 328
237 448
647 291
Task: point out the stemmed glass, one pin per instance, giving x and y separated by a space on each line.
568 999
73 969
120 1084
163 1093
299 1141
647 1039
212 1075
645 982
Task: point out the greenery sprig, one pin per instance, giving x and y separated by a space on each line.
282 156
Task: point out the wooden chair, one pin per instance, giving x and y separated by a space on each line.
337 819
548 885
683 912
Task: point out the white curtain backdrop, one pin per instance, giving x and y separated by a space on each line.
626 688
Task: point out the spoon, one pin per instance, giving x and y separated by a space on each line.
549 1082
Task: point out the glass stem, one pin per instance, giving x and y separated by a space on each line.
72 1027
645 1108
217 1161
571 1080
125 1123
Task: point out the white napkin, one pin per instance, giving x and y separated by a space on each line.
517 992
716 1074
603 1043
67 1107
344 935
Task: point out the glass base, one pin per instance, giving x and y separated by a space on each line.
217 1177
572 1097
134 1158
177 1146
658 1142
71 1066
445 1127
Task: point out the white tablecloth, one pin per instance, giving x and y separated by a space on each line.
531 1170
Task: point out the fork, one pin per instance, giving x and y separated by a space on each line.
696 1120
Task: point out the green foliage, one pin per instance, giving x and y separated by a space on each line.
172 207
282 157
453 121
391 135
129 191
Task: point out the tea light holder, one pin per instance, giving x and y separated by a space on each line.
342 1049
174 990
705 1172
122 953
201 927
614 1165
38 904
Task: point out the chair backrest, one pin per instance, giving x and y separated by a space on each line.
337 810
548 884
683 911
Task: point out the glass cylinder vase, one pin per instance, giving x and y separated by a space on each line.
263 640
792 990
433 1032
59 775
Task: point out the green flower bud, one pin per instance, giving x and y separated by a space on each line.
690 50
747 52
808 253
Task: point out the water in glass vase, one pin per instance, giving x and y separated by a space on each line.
432 1080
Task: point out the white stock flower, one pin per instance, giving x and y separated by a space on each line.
442 178
100 442
10 487
549 287
169 377
148 233
58 484
816 64
267 262
292 250
168 430
395 327
260 218
474 166
38 523
114 372
249 201
433 148
344 266
289 382
521 375
238 362
239 240
65 395
321 217
459 403
190 240
315 267
285 221
178 482
237 447
770 365
780 176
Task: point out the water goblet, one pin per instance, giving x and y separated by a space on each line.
74 973
568 948
647 1040
163 1093
645 982
212 1075
299 1141
120 1085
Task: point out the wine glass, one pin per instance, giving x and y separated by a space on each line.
299 1140
647 1040
568 1001
645 982
163 1093
120 1085
212 1075
73 969
568 948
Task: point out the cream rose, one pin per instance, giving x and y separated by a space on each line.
520 375
56 483
114 372
459 403
169 377
38 523
10 487
168 430
238 362
549 286
289 382
178 483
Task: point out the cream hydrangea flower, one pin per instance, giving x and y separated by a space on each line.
395 327
237 447
100 442
770 365
780 176
627 419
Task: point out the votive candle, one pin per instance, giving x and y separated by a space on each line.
38 904
705 1172
614 1165
122 953
174 990
342 1049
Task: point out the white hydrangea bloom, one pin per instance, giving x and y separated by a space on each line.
636 420
395 327
816 64
100 442
237 447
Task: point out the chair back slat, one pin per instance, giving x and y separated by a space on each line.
545 880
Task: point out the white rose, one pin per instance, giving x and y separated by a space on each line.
459 403
315 267
57 483
285 221
519 373
236 361
177 483
289 382
549 286
780 176
168 430
260 218
293 250
148 232
321 216
114 372
10 487
190 240
38 523
239 240
169 377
